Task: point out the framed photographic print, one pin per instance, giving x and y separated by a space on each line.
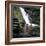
24 22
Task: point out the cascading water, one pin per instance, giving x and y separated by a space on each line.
25 16
27 21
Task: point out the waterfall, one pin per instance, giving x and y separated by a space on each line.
25 16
